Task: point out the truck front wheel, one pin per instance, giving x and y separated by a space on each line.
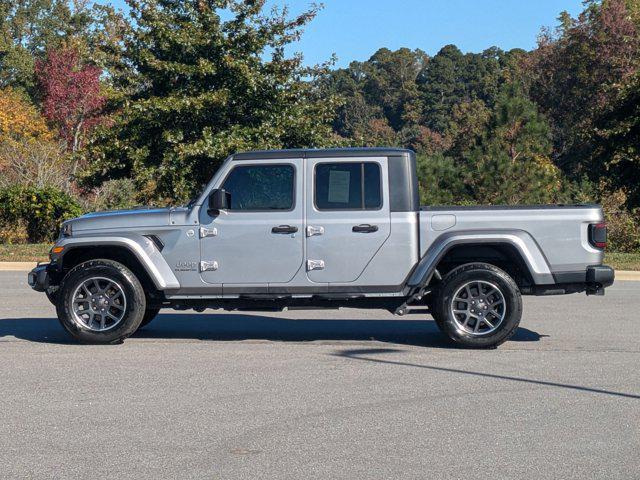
477 305
100 301
149 315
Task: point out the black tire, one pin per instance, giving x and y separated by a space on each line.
488 275
431 303
52 295
134 308
149 315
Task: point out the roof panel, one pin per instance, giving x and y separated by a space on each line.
321 153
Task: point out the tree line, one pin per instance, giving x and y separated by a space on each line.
109 110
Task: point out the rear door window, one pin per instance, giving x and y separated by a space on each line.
347 186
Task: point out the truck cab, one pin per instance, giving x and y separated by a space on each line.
321 229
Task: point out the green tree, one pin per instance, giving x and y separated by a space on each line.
206 78
617 143
452 77
512 165
379 91
29 27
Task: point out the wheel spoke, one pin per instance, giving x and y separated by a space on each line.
488 299
116 295
490 292
114 304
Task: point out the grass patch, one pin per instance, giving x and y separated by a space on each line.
31 252
623 261
40 252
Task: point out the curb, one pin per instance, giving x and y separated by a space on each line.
627 275
16 266
621 275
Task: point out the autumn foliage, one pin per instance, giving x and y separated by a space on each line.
72 98
19 118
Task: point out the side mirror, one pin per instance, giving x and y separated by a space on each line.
219 199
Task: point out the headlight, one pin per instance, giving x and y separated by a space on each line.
67 230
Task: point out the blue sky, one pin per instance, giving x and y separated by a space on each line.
355 29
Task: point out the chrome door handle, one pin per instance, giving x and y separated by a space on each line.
364 228
284 229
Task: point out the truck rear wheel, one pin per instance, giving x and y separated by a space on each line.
101 301
478 305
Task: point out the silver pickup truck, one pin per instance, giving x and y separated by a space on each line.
291 229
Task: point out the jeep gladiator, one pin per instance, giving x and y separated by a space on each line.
333 228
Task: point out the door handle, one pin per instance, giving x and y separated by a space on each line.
284 229
364 228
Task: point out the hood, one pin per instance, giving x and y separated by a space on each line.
137 217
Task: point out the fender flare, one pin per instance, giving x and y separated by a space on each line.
522 241
142 248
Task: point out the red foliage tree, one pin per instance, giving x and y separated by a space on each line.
72 98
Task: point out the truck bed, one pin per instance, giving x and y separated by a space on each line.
560 231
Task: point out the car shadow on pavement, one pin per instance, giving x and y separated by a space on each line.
225 327
369 355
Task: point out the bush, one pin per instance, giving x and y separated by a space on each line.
13 233
115 195
623 226
41 209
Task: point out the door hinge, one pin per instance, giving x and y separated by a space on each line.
311 231
315 265
208 266
208 232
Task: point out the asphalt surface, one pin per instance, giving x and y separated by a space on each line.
334 394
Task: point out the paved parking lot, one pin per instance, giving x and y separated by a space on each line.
334 394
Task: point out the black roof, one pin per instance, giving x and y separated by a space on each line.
322 153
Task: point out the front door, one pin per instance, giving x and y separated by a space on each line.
259 239
348 216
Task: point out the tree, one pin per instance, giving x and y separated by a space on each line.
29 152
578 71
20 119
72 98
28 28
617 143
511 164
379 91
206 78
452 77
391 84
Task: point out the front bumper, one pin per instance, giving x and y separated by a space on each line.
39 278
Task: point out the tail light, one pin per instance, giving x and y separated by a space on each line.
598 235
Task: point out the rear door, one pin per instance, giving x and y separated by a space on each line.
259 239
348 216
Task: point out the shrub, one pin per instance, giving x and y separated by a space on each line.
41 209
114 195
13 233
623 226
